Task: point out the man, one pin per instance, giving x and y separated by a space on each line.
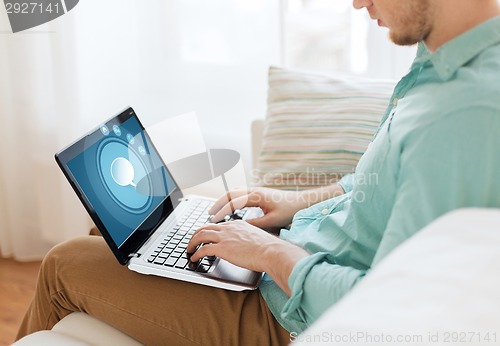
436 150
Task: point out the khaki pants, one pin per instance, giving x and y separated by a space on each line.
83 275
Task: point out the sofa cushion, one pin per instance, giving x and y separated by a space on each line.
317 126
78 329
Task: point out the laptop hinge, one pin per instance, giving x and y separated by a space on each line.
134 254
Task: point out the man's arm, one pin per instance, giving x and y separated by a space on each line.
249 247
313 282
279 206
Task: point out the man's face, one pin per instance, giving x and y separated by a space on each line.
409 21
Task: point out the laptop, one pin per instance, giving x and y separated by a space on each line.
139 209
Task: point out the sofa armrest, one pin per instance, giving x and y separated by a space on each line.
442 280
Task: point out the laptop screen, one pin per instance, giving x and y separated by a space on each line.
121 179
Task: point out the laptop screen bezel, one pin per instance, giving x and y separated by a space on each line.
146 229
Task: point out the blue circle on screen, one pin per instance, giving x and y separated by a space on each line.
127 197
117 131
104 130
142 150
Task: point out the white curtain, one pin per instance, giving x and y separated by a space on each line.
36 74
164 58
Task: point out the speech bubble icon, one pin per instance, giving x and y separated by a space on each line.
26 14
122 172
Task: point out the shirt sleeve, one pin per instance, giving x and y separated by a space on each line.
347 182
316 283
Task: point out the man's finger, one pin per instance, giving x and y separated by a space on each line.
201 237
223 200
203 251
211 226
237 203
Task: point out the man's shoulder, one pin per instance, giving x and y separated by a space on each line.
474 90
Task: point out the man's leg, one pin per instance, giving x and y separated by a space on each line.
83 275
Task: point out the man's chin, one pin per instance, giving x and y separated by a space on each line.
403 40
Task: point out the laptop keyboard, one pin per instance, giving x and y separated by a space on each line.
172 250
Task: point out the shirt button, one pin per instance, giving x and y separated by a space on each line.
395 101
325 212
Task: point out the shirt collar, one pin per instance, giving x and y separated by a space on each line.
460 50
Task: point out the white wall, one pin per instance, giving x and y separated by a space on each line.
166 58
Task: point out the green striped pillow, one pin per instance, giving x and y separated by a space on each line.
317 126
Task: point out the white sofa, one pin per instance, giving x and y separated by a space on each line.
78 329
439 287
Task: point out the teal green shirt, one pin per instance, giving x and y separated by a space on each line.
437 149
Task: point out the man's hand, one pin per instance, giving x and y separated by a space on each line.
249 247
279 206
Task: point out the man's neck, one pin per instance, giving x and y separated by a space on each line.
453 18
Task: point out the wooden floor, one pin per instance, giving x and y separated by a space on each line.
17 286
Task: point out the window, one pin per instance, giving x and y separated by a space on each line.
331 35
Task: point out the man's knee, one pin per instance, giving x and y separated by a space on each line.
68 247
72 252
